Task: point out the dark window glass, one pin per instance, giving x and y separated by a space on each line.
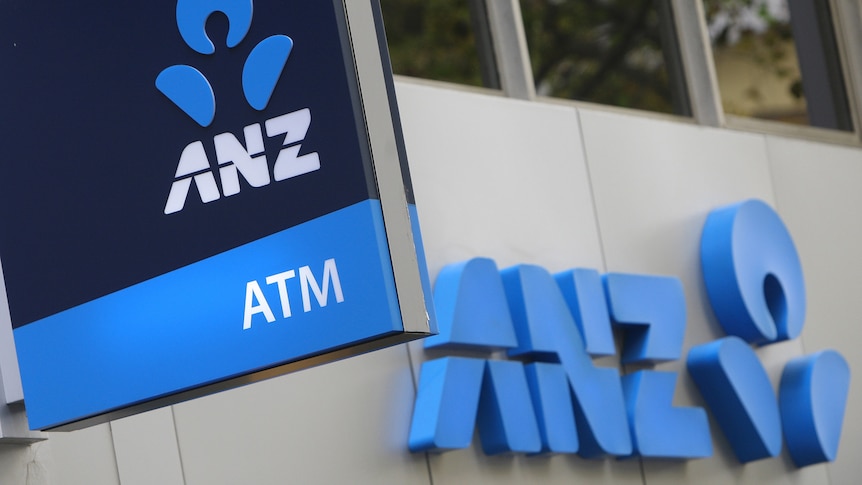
777 60
447 40
617 52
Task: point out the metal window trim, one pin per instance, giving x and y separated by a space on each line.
847 24
510 48
698 63
452 86
579 104
703 82
791 130
516 77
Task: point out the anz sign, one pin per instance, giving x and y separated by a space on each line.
198 194
192 93
249 160
547 396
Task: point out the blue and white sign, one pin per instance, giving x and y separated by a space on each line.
195 196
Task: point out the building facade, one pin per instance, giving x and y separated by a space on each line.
556 183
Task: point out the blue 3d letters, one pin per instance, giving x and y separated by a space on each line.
545 395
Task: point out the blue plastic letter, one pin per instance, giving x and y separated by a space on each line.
583 291
660 430
507 421
471 307
457 394
552 400
752 273
444 414
652 310
737 390
813 397
545 329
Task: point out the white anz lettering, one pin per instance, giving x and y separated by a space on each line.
193 160
308 286
234 159
294 127
249 160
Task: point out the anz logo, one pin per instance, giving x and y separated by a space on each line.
191 92
547 396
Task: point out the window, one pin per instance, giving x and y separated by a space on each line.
617 52
775 60
446 40
778 60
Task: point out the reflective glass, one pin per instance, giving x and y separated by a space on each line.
617 52
777 60
446 40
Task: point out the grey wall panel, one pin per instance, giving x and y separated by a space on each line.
340 423
25 464
499 178
503 179
654 183
818 189
84 457
146 449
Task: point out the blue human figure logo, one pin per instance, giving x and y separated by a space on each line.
190 90
753 277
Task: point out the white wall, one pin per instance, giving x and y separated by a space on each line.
519 182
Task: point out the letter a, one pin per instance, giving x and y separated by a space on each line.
252 292
194 159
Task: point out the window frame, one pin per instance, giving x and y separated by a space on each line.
515 74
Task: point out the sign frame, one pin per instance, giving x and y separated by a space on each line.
375 94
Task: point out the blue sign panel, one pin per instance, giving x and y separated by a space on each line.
189 196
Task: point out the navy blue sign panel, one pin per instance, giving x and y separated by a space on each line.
93 146
188 196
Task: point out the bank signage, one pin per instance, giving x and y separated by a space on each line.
198 194
547 396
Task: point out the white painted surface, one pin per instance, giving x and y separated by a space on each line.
497 177
503 179
522 183
654 183
341 423
146 449
819 194
85 457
